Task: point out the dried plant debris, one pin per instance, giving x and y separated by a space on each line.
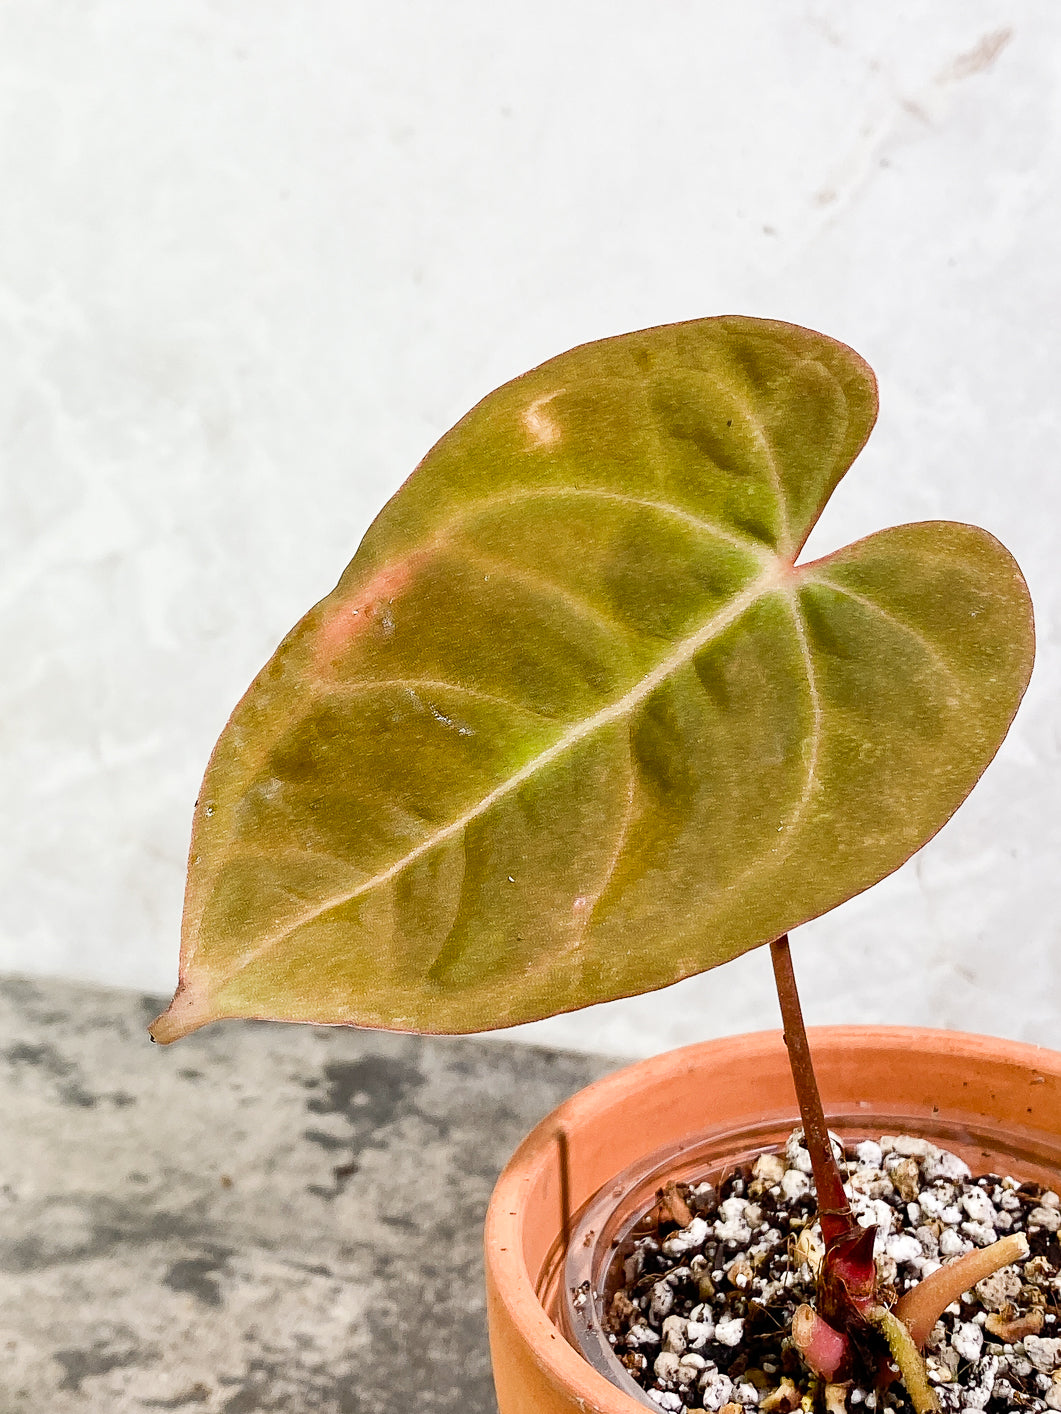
702 1312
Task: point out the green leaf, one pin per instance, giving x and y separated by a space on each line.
574 726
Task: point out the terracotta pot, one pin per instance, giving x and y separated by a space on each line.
996 1103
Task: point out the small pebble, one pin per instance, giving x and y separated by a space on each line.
968 1341
674 1334
1044 1352
662 1302
951 1244
689 1368
999 1288
795 1184
769 1168
869 1154
903 1248
980 1234
730 1330
716 1389
978 1206
641 1334
665 1367
686 1239
698 1333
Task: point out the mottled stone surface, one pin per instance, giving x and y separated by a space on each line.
259 1218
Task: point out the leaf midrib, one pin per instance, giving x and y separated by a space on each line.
770 580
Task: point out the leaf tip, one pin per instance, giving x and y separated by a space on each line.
185 1014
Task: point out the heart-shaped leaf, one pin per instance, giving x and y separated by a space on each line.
574 726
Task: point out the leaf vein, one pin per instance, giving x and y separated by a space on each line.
426 685
811 756
600 493
590 901
871 606
540 584
785 546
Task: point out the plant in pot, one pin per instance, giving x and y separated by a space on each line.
575 725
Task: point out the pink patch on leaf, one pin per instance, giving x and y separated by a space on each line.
369 610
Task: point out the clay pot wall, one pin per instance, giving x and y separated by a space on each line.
997 1103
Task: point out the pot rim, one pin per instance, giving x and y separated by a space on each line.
516 1288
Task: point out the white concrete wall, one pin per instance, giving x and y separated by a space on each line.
256 255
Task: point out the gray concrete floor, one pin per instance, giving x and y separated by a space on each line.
258 1218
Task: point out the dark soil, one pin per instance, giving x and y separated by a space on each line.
701 1313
